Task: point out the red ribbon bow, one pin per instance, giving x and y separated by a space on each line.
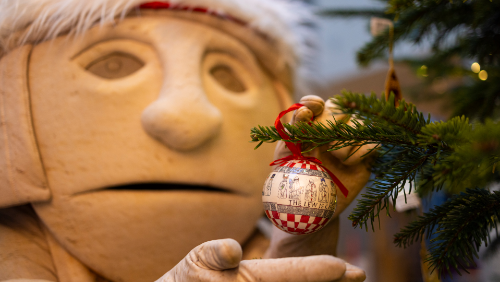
297 152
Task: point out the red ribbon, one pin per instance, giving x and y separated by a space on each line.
297 152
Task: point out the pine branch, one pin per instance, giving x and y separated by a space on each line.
384 188
476 151
382 122
454 155
342 133
463 225
346 13
405 116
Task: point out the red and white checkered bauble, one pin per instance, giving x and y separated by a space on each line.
299 197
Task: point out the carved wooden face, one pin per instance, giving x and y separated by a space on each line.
143 130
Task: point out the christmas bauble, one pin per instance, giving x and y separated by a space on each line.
299 197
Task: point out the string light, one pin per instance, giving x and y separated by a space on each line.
483 75
423 71
475 67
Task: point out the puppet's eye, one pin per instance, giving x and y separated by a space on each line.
226 77
115 65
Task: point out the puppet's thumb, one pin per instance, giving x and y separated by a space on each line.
216 255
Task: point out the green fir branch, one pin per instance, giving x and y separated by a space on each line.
347 13
370 108
381 123
454 155
463 224
385 188
321 134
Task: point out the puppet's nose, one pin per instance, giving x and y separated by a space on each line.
182 120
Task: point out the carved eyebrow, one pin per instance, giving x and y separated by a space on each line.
97 42
229 52
242 57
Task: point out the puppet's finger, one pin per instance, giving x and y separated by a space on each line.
353 274
216 255
303 114
213 261
314 103
313 107
296 269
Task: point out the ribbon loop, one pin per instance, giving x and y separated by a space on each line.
297 152
294 148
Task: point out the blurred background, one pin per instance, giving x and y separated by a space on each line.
340 38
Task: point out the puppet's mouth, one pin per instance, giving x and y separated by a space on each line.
169 187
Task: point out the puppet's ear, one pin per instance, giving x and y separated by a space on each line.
22 178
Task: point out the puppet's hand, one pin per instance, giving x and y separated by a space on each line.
353 172
220 261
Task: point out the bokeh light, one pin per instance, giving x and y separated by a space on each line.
483 75
423 71
475 67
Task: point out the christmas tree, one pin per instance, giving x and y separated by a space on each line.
459 156
465 46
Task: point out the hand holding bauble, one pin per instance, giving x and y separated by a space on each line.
304 197
353 173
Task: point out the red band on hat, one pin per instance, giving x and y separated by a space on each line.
167 5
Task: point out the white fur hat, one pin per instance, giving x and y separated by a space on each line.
286 22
